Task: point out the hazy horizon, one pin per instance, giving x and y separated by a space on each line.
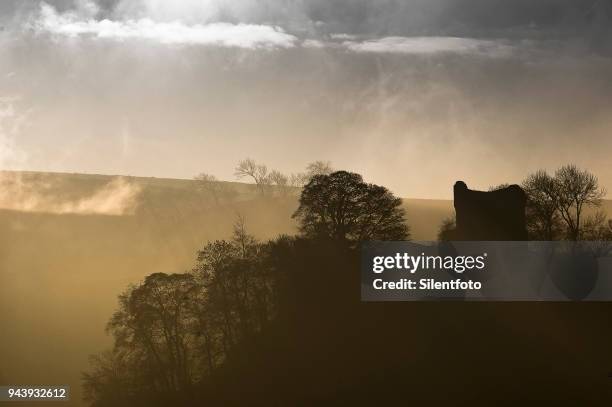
412 95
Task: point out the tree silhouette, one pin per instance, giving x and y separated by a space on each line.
542 215
238 287
341 206
318 168
258 172
173 331
556 204
576 189
446 232
155 322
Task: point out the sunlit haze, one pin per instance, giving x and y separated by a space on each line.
413 96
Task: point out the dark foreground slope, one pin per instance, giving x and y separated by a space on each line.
328 348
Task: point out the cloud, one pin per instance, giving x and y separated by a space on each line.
342 36
314 44
421 45
35 194
430 45
252 36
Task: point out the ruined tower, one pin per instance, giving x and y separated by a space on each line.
494 215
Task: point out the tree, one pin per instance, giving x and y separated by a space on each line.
281 182
237 286
341 206
598 231
555 205
109 379
298 180
318 168
446 232
156 326
542 214
212 186
172 331
575 189
258 172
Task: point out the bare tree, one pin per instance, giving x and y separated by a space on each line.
575 189
219 190
298 179
543 220
318 168
597 230
281 182
154 324
258 172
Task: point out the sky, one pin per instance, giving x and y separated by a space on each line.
412 94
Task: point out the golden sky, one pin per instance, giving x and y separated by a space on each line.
414 95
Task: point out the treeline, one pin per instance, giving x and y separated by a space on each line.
281 323
176 335
557 206
562 206
172 331
268 182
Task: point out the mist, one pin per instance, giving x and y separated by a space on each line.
39 193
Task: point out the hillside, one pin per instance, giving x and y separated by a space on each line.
71 239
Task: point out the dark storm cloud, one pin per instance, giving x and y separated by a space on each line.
380 26
369 17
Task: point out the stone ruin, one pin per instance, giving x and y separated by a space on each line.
494 215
